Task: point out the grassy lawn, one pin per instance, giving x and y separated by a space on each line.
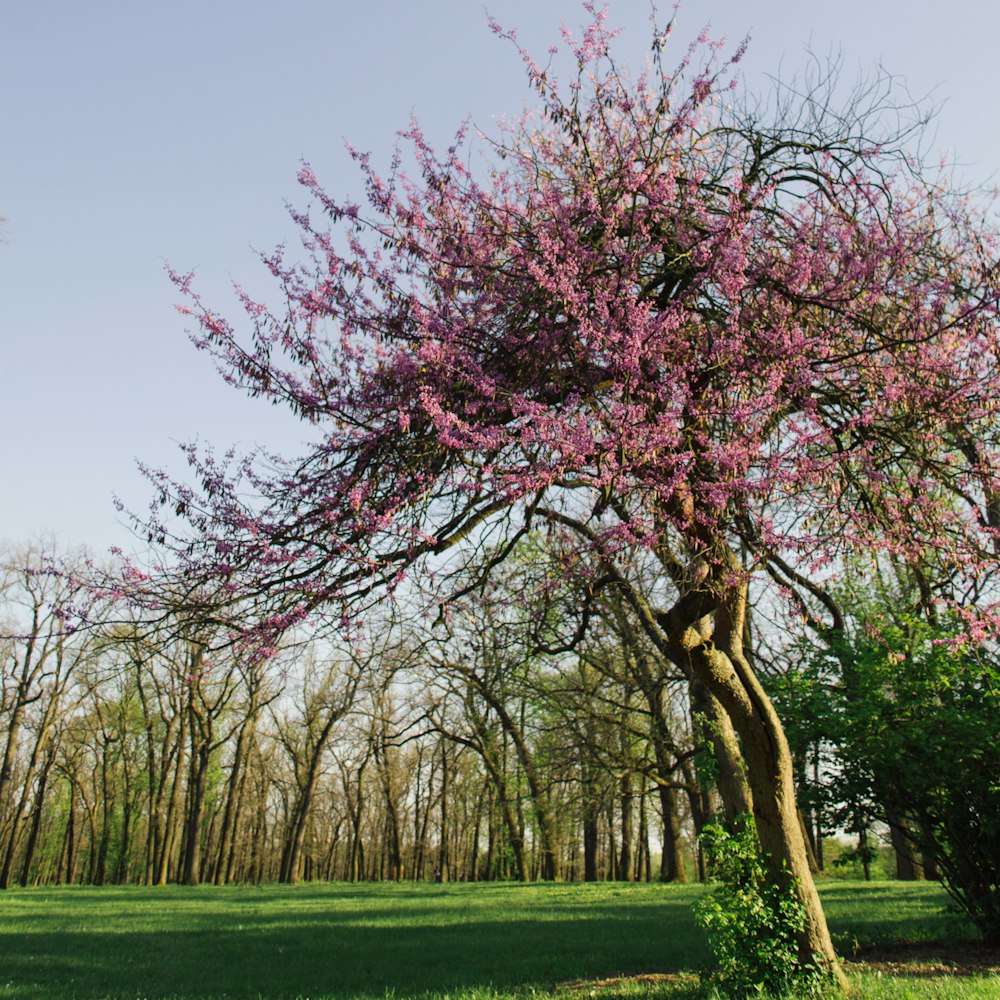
468 941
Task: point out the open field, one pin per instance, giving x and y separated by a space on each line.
469 941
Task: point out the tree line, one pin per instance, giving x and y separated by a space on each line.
130 757
480 748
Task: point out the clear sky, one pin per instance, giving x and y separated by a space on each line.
134 132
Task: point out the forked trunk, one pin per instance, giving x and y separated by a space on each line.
726 672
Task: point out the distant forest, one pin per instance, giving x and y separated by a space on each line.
485 745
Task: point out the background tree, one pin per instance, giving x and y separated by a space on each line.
40 655
328 691
909 731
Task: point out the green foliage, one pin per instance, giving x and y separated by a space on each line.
929 717
752 922
846 862
907 714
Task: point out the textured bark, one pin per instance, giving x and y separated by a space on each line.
713 727
725 670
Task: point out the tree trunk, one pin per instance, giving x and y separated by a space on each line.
223 865
71 839
902 845
591 840
723 668
808 844
174 807
125 845
672 866
625 857
10 746
549 867
196 814
392 832
699 802
714 729
928 853
643 865
36 816
237 821
866 863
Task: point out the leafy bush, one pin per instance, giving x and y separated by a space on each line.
905 715
752 923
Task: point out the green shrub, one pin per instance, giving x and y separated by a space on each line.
751 923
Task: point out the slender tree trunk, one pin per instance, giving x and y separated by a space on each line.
549 861
291 855
492 837
928 853
473 874
612 844
10 749
196 815
174 807
672 867
355 810
299 815
866 863
92 827
36 816
699 802
237 822
808 844
159 816
421 819
71 840
591 840
441 871
392 832
233 784
17 818
125 845
627 832
99 877
514 823
642 862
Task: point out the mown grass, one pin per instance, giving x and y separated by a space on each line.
326 942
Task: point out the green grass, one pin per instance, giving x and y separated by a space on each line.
470 941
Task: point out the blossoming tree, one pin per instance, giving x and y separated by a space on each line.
746 342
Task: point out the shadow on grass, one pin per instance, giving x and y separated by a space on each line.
866 916
336 949
338 941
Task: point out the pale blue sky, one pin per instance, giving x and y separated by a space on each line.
134 131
